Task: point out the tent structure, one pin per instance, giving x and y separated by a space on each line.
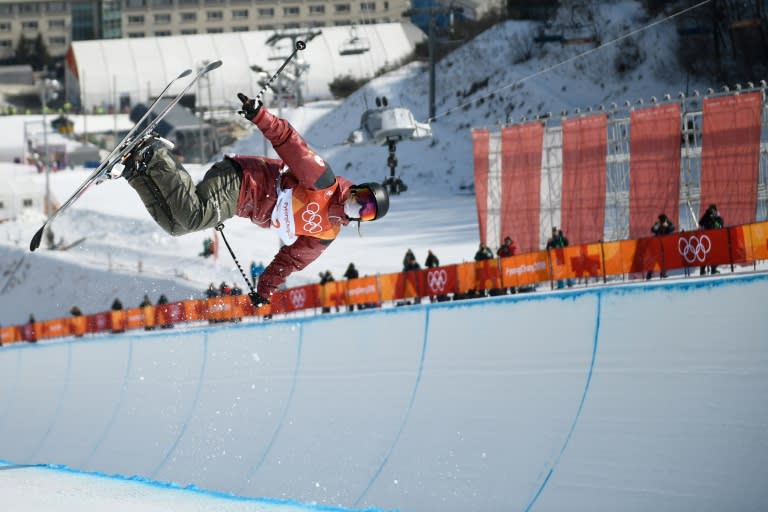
123 72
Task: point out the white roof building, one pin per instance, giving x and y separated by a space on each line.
111 72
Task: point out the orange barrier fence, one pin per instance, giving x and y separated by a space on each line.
738 245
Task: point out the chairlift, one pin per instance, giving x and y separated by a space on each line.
279 52
354 45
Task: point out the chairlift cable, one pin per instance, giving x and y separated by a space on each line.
571 59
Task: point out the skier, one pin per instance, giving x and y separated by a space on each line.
297 195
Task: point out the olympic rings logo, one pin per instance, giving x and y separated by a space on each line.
694 248
312 218
298 298
436 280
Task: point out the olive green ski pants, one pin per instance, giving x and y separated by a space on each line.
177 204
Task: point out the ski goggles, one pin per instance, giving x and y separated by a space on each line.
367 201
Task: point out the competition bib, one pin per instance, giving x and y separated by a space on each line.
303 212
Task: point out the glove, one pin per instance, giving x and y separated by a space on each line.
257 300
250 109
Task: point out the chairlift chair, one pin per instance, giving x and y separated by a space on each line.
354 45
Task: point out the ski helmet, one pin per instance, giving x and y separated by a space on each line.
373 199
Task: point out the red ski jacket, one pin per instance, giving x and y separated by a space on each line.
311 196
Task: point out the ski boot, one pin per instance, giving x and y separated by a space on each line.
135 162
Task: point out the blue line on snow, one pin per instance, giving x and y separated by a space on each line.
578 411
279 428
62 397
407 412
192 409
12 391
116 409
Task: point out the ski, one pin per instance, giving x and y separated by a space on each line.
126 145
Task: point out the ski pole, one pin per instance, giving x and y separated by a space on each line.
300 45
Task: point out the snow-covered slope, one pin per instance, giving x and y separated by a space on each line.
499 74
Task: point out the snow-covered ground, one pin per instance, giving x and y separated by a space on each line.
125 255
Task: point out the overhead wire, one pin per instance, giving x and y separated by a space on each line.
571 59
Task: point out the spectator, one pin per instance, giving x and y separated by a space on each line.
148 326
117 305
558 241
431 261
236 290
224 289
207 248
77 328
663 226
351 272
326 277
409 261
161 301
32 332
508 248
711 220
256 271
211 292
483 253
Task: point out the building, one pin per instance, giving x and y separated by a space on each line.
61 22
18 192
96 80
193 140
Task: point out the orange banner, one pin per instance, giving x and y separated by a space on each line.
524 269
149 316
333 294
487 274
401 285
738 245
759 241
618 256
11 334
134 318
117 320
649 254
56 328
576 261
191 311
78 325
221 309
364 290
465 273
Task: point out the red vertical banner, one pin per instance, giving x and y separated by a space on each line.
480 140
730 152
584 178
654 177
521 147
